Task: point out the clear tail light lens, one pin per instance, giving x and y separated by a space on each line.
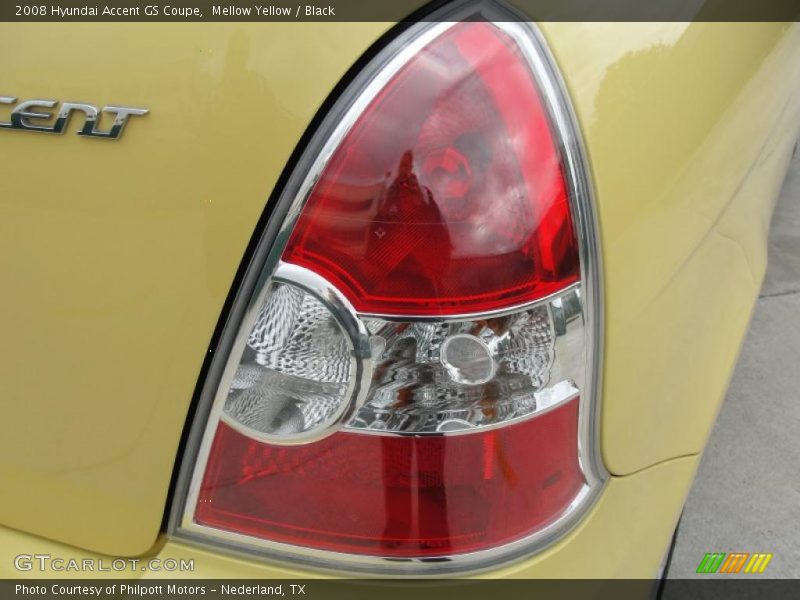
413 375
295 372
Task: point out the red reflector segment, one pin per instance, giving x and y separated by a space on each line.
396 496
447 195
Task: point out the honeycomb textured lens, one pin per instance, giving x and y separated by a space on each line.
294 373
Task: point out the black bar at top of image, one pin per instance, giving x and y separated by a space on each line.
388 10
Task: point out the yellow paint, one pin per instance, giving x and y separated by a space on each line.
116 257
689 128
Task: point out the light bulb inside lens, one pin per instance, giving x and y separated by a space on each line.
467 359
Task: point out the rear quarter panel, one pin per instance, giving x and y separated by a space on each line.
689 129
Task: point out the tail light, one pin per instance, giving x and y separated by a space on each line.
411 374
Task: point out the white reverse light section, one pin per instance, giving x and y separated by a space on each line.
294 373
426 377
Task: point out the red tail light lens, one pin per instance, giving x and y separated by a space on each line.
447 195
413 377
402 497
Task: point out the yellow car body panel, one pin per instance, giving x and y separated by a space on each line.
689 129
117 257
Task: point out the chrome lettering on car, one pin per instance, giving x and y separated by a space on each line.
29 116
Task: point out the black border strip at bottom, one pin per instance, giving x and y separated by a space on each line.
716 587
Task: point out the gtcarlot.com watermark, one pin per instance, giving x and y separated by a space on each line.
47 563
